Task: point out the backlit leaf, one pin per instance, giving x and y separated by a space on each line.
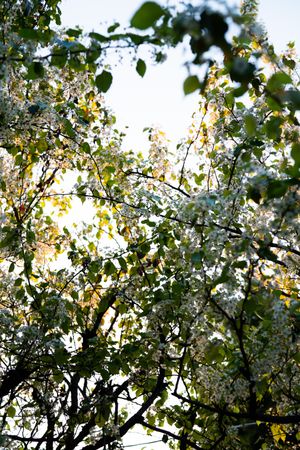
146 15
104 81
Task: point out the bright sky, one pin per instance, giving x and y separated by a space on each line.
158 99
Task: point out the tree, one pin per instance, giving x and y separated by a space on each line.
176 307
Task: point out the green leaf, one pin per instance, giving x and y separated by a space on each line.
277 81
241 70
145 248
93 54
18 282
58 377
297 359
223 277
59 57
35 70
86 148
61 356
274 105
289 63
250 125
100 420
104 81
141 67
72 32
20 294
68 127
33 109
277 188
196 258
109 268
254 193
113 27
293 97
273 128
213 353
9 239
122 308
11 411
147 15
199 178
240 264
74 295
136 38
123 264
98 37
295 153
191 84
28 33
265 253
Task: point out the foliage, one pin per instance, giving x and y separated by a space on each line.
172 301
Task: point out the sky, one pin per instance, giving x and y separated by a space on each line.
158 98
